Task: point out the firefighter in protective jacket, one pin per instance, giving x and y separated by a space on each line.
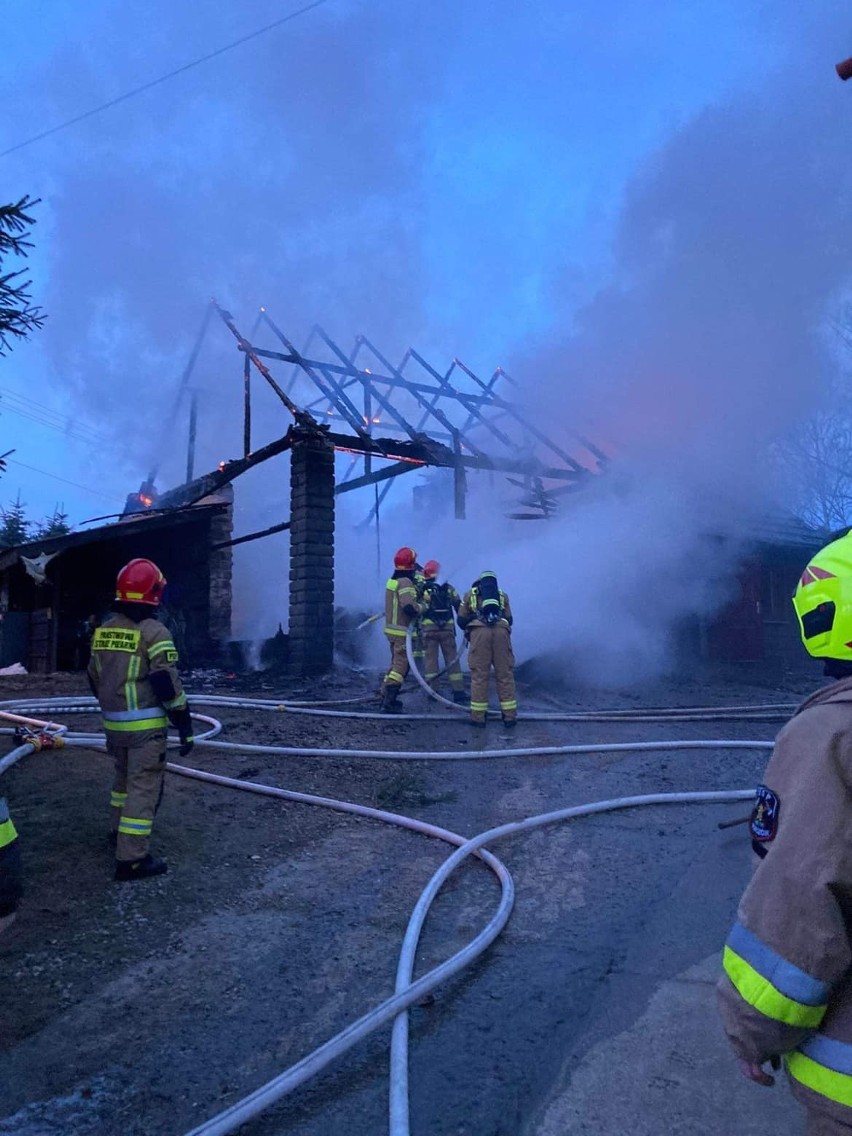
11 888
402 607
485 616
437 623
133 674
787 987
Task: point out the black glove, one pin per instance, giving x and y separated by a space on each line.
182 722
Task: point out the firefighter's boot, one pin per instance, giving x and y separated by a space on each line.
390 699
139 869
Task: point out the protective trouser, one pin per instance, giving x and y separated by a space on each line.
819 1124
136 793
445 638
418 649
491 647
399 660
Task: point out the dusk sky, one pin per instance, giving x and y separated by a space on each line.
450 175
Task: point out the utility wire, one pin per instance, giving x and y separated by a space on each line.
67 430
37 406
163 78
56 477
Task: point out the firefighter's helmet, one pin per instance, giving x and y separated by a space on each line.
431 569
823 602
140 581
404 559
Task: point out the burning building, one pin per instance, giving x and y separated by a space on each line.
54 591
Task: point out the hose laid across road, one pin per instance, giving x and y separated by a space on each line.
407 990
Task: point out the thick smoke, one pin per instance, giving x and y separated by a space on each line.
707 346
452 177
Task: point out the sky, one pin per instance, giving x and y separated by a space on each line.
638 210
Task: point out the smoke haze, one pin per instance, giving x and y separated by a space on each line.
643 215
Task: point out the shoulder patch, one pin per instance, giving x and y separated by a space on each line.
764 815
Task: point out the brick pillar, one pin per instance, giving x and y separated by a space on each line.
311 554
221 563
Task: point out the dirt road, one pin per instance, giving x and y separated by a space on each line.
148 1008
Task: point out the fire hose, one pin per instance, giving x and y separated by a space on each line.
407 990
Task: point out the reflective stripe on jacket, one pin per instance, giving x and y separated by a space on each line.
787 986
469 612
400 591
11 888
124 655
7 829
453 598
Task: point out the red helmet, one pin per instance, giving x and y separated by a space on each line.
140 581
431 569
404 559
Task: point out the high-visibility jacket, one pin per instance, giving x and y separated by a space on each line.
124 655
787 986
10 863
470 614
429 617
400 593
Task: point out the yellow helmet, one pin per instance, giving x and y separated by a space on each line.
823 602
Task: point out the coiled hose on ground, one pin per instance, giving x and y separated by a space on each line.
407 989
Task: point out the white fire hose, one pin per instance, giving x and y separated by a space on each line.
407 990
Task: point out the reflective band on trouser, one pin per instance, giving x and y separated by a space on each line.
117 799
478 709
824 1066
395 629
7 833
511 704
771 984
393 676
133 826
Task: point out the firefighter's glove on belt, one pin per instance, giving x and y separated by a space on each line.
186 745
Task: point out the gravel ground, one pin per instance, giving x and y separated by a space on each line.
147 1008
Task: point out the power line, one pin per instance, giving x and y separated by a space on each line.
82 433
30 408
163 78
56 477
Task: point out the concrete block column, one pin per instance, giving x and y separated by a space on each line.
311 554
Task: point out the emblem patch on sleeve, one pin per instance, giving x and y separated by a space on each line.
764 816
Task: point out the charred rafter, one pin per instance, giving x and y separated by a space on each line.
453 419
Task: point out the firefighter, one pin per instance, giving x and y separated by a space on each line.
787 985
485 616
402 607
132 672
440 604
11 888
418 648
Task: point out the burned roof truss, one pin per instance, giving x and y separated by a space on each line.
411 415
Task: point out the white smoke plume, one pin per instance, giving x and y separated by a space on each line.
641 211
